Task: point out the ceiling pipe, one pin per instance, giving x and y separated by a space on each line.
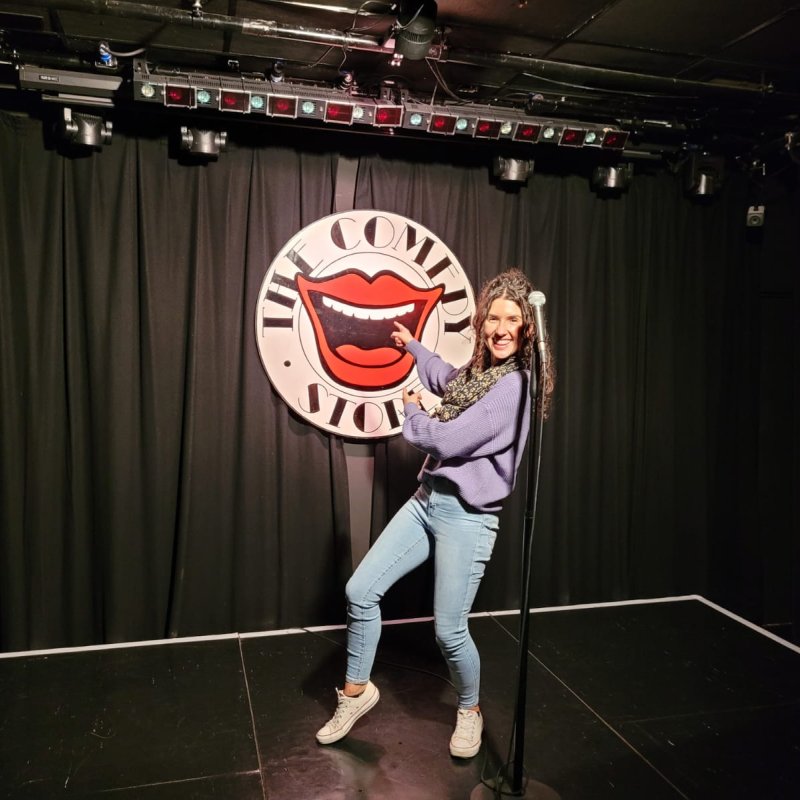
558 72
222 22
600 78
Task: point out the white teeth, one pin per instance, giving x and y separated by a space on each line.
360 312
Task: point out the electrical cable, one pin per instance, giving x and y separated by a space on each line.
625 92
441 82
129 54
352 29
418 12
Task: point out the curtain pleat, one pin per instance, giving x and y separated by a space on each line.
152 484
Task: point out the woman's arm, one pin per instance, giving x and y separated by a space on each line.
434 372
489 426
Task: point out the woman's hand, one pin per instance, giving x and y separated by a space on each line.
402 336
411 397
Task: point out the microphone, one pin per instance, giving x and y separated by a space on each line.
537 300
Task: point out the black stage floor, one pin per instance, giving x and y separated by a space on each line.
662 699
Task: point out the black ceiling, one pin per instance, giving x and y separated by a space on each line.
722 72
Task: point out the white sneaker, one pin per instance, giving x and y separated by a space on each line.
348 711
466 739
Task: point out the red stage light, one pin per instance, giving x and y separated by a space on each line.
615 140
179 96
339 112
388 115
441 123
234 101
488 128
572 137
283 106
526 132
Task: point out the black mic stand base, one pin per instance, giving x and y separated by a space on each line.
532 790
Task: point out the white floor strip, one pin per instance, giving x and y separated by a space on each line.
477 615
118 645
752 625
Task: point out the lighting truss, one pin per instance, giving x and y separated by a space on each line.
258 96
285 99
490 122
264 98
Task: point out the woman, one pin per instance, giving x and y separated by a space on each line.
474 442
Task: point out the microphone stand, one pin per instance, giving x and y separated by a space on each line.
530 789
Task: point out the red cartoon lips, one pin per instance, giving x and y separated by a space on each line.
353 319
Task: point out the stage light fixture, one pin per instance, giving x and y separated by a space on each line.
572 137
198 142
280 106
548 134
179 96
615 140
526 132
703 174
204 97
416 26
613 177
85 130
755 216
341 113
278 68
442 123
257 102
513 170
234 101
487 129
388 116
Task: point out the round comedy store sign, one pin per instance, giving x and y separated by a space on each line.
327 308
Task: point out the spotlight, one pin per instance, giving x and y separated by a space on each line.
488 128
515 170
703 174
416 24
615 178
230 100
341 113
180 96
755 216
347 81
388 116
84 129
615 140
572 137
526 132
442 123
278 68
283 106
203 143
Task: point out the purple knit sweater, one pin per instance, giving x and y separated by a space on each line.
480 450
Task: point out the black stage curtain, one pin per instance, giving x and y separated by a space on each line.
154 485
649 455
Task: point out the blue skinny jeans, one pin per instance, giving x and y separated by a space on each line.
432 522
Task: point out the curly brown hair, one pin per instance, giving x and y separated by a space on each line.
512 284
